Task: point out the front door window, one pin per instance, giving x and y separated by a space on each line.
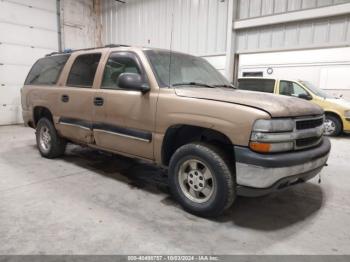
288 88
117 64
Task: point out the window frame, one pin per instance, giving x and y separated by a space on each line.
138 61
71 67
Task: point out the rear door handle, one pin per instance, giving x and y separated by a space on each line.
65 98
98 101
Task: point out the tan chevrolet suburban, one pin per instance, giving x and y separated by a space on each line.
178 111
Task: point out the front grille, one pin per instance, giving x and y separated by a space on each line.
308 124
307 142
309 132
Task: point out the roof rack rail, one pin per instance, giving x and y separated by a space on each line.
66 51
69 51
53 53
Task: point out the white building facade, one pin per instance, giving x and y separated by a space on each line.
290 36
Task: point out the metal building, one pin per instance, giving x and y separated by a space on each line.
225 30
228 33
198 27
297 39
288 25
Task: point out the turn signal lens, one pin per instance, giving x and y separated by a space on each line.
260 147
271 147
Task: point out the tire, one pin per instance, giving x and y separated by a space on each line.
49 143
189 165
333 126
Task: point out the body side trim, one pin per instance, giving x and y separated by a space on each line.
122 135
107 128
75 122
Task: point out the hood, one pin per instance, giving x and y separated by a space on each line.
275 105
340 102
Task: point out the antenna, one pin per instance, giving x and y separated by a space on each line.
171 46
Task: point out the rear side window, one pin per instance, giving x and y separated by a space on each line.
253 74
46 71
259 85
82 73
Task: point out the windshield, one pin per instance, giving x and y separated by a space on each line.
175 69
316 90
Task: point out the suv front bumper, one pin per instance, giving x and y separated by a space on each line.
260 174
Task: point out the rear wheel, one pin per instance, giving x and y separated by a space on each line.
333 126
49 143
201 179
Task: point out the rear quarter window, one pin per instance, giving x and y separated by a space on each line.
259 85
46 71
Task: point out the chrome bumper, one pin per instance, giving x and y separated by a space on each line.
261 177
258 171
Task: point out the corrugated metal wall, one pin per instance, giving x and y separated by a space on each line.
322 31
199 26
325 32
257 8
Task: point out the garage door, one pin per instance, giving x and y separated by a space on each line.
28 30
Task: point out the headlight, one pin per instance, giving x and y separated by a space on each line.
282 135
276 125
275 135
347 115
272 137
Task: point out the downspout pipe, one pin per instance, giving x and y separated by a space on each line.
59 25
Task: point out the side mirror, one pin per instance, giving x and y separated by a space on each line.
132 81
305 96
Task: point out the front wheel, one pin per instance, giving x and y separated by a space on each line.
201 179
49 143
333 126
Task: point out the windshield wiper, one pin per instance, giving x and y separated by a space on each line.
193 84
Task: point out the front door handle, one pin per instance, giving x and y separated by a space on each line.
98 101
65 98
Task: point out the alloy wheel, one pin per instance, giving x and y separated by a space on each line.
45 139
196 181
329 127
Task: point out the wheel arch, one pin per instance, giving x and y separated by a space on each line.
40 112
181 134
335 114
